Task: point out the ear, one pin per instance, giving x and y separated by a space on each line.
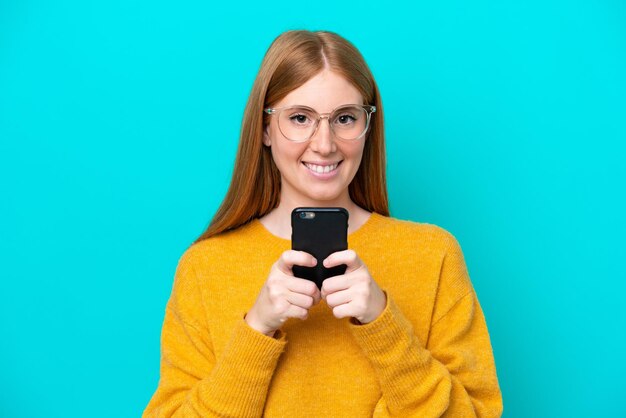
266 136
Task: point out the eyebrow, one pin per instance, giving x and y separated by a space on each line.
312 108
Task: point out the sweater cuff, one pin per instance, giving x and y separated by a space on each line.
249 349
247 366
386 339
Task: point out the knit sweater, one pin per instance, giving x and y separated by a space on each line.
428 354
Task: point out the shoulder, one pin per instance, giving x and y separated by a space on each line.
439 252
424 234
221 244
234 245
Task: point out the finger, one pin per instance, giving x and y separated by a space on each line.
300 300
339 298
317 296
347 257
343 311
298 258
297 312
334 284
303 286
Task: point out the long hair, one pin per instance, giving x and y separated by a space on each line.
291 60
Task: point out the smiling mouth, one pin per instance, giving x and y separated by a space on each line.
322 169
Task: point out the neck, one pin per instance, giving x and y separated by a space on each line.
278 221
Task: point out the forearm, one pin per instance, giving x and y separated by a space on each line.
236 385
416 382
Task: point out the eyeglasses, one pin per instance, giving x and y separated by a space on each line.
299 123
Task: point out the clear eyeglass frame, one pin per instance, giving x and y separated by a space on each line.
367 108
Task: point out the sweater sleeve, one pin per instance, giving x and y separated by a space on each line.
193 382
453 373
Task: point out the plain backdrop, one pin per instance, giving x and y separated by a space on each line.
119 121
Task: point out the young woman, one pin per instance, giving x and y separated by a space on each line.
401 333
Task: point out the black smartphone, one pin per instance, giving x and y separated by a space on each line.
320 232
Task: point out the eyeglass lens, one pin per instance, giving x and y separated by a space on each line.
299 123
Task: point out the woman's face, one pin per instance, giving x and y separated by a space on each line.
300 163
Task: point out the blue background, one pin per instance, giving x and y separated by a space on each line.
119 122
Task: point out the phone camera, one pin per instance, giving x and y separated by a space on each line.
307 215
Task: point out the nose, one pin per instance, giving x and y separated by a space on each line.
322 140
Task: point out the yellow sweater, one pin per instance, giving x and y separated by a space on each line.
427 355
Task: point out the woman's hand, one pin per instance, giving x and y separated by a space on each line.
355 293
284 296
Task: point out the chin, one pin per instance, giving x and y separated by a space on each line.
324 199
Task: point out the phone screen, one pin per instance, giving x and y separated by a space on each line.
319 232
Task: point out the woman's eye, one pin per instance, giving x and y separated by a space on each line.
345 119
299 119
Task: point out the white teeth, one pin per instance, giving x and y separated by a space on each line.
321 169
